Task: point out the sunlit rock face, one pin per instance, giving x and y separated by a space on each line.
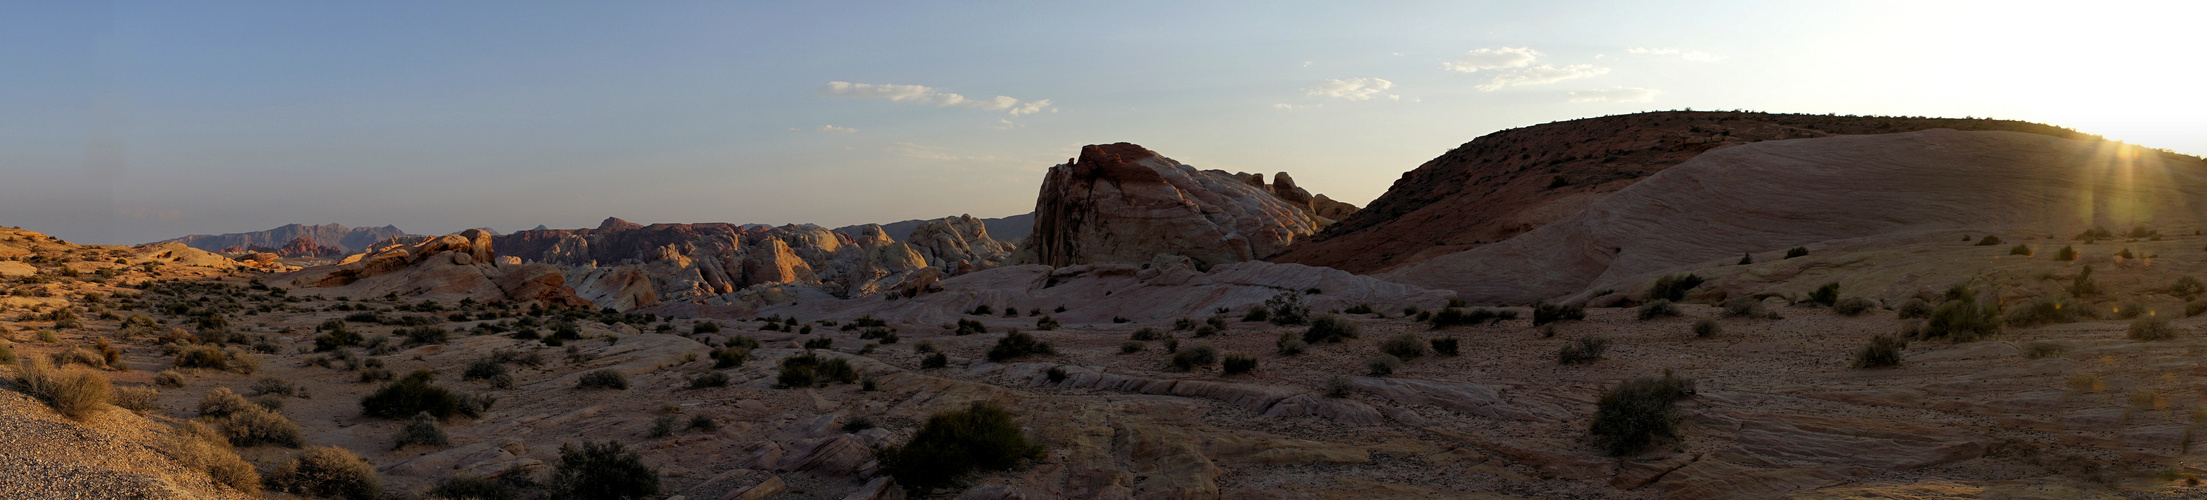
1121 203
1860 191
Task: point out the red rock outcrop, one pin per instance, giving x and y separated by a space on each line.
306 247
1506 183
1866 191
1126 204
453 266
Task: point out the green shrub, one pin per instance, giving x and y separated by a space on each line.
1019 344
2066 253
1046 324
1797 252
597 471
1403 345
2042 311
1130 347
662 426
415 394
955 443
937 360
730 357
1915 308
1989 241
2021 249
1826 295
1445 346
1638 413
859 424
1453 316
2151 329
1383 365
1962 320
1330 329
602 379
1658 309
338 338
2082 286
422 430
811 370
1147 333
1673 287
1290 344
1238 364
1287 308
970 327
709 380
2187 288
1706 328
1853 306
1883 351
73 392
471 488
820 343
1201 355
425 335
1545 313
1338 386
1585 350
328 471
703 423
1256 313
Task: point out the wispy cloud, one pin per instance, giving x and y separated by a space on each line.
1690 55
1541 75
1354 89
1492 58
836 130
1290 107
1620 94
922 94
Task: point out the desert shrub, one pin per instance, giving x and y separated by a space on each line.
1238 364
1915 308
1290 344
1046 324
1706 328
1797 252
1453 316
602 379
955 443
709 380
2066 253
1339 386
1206 331
2042 311
1404 345
2187 288
1201 355
1286 308
1018 344
704 423
1989 241
196 446
222 402
970 327
1639 412
2021 249
1826 295
857 424
662 426
936 360
415 394
2193 308
340 337
202 356
73 392
136 398
79 356
425 335
1130 347
597 471
421 430
1383 365
1147 333
1585 350
255 426
471 488
1330 329
820 343
2038 350
730 357
1256 313
1962 320
1183 324
328 471
1445 346
1673 287
810 370
1545 313
2082 286
1853 306
1657 309
46 336
1883 351
705 327
373 375
2150 329
2125 253
274 386
485 369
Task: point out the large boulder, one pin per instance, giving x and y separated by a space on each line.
1121 203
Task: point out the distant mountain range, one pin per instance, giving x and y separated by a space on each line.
1011 229
348 239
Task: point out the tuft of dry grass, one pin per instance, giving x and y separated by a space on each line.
75 392
198 447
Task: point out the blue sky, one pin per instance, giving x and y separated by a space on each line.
134 121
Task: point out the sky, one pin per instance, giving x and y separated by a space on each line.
130 122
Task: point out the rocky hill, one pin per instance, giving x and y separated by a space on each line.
1509 182
1828 195
1122 203
1007 229
346 240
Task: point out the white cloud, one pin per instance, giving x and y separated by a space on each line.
1354 89
1619 94
1484 59
836 130
1306 64
1288 107
1398 54
1541 75
922 94
1690 55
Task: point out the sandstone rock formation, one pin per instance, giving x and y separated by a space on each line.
1121 203
1861 191
328 235
449 267
1005 229
306 247
1507 183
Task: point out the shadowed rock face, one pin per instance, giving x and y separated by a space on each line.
330 235
1507 183
1868 191
1121 203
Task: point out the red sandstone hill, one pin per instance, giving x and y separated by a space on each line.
1509 182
